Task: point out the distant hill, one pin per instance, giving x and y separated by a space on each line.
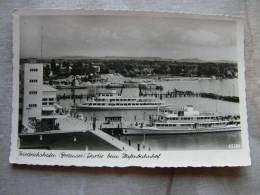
188 60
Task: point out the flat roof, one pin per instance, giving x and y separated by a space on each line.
48 88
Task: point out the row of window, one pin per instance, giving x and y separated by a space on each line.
33 69
128 100
32 105
165 125
125 104
45 103
182 118
189 125
191 118
173 125
32 92
206 117
122 100
106 95
47 99
33 80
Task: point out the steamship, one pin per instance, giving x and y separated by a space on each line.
111 101
186 120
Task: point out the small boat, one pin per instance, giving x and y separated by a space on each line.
186 120
114 85
112 125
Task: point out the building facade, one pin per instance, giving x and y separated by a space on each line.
32 95
39 100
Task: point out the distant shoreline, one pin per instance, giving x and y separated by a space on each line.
185 69
72 58
177 78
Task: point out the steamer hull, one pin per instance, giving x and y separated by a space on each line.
148 107
156 131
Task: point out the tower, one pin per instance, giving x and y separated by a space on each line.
32 93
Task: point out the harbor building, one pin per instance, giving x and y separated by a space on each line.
39 100
49 107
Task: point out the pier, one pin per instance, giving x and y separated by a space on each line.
113 141
74 132
161 95
178 93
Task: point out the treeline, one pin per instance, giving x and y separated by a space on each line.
133 67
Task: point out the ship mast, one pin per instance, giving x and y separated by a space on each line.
41 40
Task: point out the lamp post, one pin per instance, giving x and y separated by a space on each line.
53 122
144 142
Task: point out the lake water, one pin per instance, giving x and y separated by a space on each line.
226 87
174 142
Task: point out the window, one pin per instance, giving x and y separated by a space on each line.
33 69
44 103
51 103
32 105
32 92
33 80
44 99
51 99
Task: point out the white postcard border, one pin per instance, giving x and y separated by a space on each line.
179 158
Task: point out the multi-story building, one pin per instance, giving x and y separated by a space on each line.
49 107
38 100
32 94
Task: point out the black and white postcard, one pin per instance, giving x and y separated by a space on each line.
120 88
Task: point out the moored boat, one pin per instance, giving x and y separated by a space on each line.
116 102
186 120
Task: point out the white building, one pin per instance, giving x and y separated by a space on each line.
39 100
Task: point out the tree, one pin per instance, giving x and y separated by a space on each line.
104 69
53 65
66 64
77 68
46 72
57 70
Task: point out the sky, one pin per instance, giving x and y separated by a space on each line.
127 36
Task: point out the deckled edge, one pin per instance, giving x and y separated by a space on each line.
165 13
